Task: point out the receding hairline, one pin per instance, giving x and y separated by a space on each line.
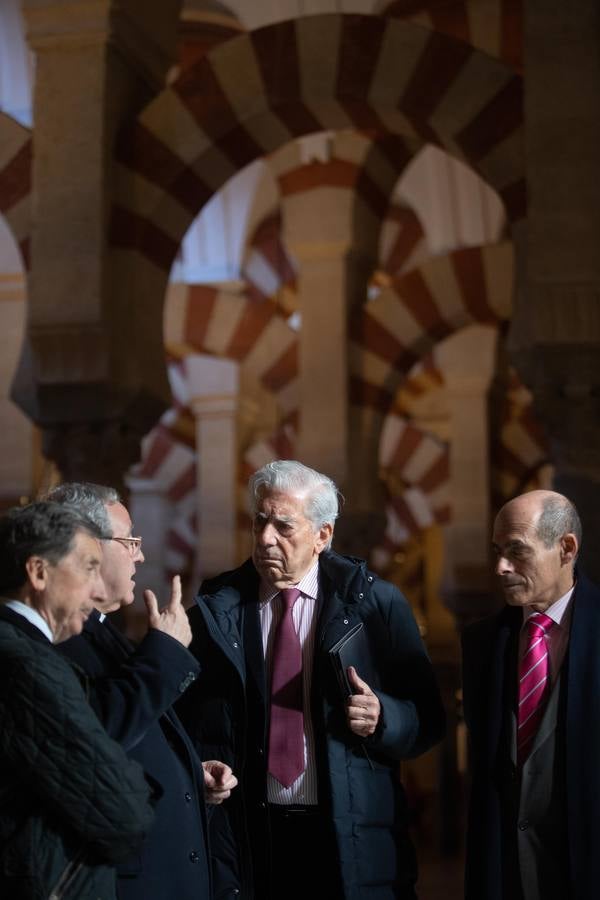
536 508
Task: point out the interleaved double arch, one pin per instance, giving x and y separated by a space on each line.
256 92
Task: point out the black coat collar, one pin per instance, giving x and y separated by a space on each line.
23 624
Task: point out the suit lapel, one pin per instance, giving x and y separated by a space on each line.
503 683
549 719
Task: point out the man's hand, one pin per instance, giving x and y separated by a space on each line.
172 618
219 781
363 707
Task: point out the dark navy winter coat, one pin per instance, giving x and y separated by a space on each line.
132 690
226 713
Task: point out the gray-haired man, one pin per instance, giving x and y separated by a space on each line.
133 689
319 811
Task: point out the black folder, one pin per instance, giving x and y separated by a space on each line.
351 650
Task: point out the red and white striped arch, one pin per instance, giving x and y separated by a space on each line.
520 457
203 319
403 242
363 167
254 93
496 26
15 181
267 268
422 307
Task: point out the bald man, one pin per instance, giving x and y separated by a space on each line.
531 679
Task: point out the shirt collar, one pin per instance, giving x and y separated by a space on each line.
32 615
556 610
308 586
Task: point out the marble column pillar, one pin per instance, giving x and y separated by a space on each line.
334 267
96 64
467 361
213 385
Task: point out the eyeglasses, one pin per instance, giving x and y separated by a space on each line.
133 544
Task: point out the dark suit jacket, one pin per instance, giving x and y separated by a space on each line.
132 692
489 673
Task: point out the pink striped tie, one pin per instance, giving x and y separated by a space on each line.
534 683
286 727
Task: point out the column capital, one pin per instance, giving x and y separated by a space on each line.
93 451
146 34
214 406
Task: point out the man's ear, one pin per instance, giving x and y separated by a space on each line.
323 537
568 548
36 568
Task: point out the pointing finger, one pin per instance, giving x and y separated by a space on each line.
175 598
151 604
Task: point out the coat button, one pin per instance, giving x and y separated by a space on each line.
361 596
524 825
188 797
262 804
235 644
184 685
194 856
369 578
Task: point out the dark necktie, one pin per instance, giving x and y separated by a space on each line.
286 729
534 683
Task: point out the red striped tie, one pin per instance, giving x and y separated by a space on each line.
534 683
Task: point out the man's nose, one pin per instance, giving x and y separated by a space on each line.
503 566
266 535
139 556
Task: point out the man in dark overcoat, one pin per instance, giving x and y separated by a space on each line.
320 811
532 706
132 690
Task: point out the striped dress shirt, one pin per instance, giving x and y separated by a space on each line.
304 789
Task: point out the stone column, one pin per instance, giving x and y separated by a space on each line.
16 438
334 267
97 64
213 385
555 338
467 361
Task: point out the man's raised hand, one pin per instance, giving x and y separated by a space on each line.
172 618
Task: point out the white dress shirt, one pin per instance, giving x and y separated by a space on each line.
31 615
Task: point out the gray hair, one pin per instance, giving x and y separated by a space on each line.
558 517
321 501
90 499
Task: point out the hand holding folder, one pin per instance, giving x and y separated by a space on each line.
351 650
361 703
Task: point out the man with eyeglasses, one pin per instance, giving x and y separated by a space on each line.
133 689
